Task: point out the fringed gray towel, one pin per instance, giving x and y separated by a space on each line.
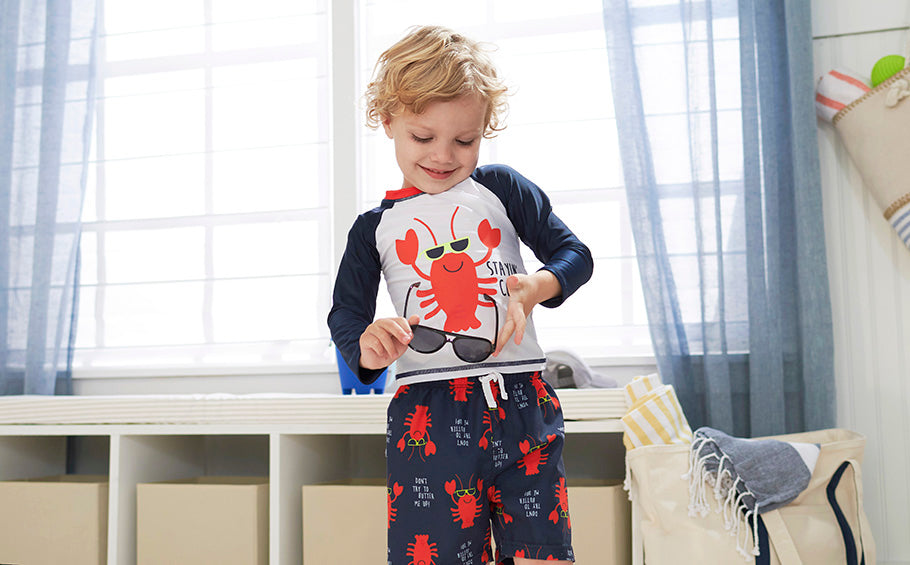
748 477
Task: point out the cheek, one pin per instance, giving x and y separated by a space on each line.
470 154
405 151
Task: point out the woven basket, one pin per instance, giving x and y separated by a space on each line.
875 129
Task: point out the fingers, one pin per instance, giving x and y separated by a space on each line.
520 328
377 357
384 341
373 353
400 328
513 283
382 344
505 332
514 325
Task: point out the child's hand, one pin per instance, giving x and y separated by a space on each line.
384 341
525 292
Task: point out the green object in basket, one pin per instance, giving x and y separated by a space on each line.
885 68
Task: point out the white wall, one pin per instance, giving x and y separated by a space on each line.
869 270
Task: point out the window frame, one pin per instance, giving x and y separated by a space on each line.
344 153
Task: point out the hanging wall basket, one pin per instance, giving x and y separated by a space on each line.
875 129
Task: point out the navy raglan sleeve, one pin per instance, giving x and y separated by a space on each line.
552 242
354 297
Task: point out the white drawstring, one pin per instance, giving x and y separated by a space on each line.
488 390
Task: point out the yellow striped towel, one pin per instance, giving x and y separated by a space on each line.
640 387
655 418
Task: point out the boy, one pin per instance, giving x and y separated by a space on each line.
474 435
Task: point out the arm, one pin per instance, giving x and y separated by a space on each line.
567 261
552 242
354 295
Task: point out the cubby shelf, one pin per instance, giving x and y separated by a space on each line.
344 439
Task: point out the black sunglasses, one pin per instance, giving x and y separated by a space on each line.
467 348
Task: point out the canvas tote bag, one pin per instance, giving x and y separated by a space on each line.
875 129
825 525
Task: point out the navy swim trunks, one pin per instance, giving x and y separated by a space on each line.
471 457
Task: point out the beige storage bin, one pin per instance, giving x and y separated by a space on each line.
54 520
345 523
601 517
203 521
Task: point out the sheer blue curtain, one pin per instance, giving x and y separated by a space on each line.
713 105
46 91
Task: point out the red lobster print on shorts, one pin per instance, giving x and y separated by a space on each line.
454 284
417 434
461 388
487 554
527 555
395 489
534 456
467 501
496 507
562 504
494 388
487 430
421 551
543 396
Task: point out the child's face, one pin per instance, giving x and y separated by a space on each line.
438 148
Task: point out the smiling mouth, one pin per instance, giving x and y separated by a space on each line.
448 270
436 173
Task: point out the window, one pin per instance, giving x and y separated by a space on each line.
205 228
209 219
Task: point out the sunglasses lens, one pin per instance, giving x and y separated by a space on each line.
472 349
425 340
460 245
435 252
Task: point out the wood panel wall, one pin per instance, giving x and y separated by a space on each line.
869 271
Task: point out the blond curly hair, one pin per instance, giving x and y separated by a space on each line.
434 64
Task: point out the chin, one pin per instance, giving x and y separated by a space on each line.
435 186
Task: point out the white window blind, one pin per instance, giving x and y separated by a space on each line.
207 245
206 227
561 134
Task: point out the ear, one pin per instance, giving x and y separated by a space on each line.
387 126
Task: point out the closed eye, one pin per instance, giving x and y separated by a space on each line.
421 139
465 143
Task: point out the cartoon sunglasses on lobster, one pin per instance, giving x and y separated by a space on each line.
469 349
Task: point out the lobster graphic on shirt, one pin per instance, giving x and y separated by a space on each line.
455 287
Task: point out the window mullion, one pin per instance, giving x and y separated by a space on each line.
100 215
208 299
344 136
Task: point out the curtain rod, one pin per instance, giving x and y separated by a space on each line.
860 32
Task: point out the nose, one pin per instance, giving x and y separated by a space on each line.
443 152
